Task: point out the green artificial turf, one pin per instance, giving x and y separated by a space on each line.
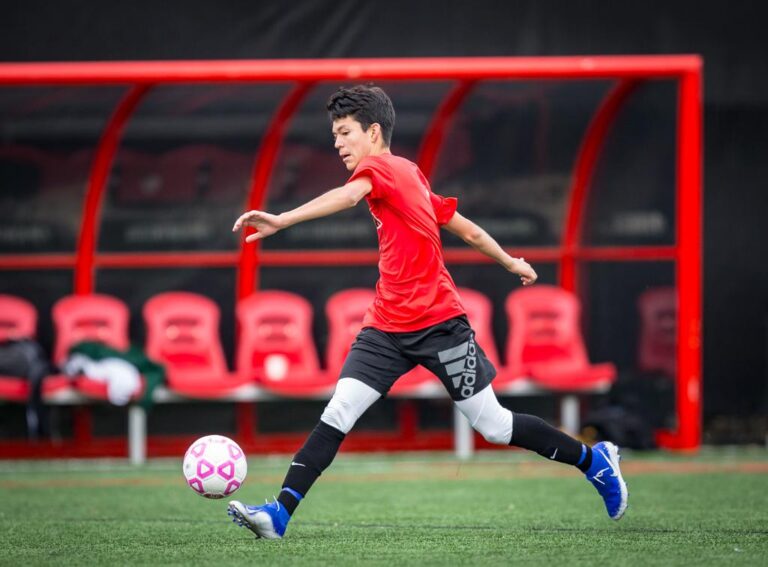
416 509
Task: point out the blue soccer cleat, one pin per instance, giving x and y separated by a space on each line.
605 475
268 521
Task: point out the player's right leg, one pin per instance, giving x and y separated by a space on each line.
350 400
371 367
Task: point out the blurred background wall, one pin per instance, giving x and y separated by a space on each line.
729 36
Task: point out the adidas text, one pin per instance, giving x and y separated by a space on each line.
461 366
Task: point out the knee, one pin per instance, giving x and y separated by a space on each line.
497 430
339 414
495 436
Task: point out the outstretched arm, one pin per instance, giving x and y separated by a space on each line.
333 201
480 240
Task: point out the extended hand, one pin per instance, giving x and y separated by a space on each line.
265 224
523 269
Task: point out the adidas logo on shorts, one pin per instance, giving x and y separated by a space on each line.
461 365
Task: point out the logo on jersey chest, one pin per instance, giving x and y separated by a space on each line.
376 220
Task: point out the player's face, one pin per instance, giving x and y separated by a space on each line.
351 141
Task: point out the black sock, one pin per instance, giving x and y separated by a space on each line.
535 434
586 459
313 458
290 499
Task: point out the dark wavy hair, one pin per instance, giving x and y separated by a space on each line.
367 104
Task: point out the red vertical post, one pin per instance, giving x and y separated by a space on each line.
435 135
581 179
433 140
82 426
246 419
94 196
689 264
102 163
262 173
264 163
408 419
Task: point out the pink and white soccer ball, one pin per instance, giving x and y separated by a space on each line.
214 466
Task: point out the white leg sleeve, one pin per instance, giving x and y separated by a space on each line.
488 417
349 402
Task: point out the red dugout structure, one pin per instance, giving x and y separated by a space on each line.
571 255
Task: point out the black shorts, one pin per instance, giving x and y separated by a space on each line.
448 350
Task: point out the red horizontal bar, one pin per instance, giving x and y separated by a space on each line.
431 68
368 257
319 257
371 257
626 253
470 256
167 259
36 261
262 443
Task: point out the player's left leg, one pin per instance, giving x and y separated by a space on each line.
600 463
449 350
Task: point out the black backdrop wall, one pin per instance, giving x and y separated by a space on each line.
730 36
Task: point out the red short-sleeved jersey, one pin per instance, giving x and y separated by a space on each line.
414 290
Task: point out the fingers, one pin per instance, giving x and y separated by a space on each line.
239 222
529 278
245 218
254 237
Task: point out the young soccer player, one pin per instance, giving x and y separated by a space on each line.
416 318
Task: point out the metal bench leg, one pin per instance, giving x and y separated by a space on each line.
137 435
463 438
569 414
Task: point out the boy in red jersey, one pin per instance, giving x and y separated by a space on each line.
416 318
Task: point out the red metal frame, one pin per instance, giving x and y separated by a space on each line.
418 68
689 207
262 173
371 257
435 136
629 70
586 160
97 181
167 260
172 446
37 261
326 257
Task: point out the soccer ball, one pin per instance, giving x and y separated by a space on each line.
214 466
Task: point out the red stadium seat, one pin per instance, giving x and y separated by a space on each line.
92 317
480 315
545 341
183 335
345 311
275 347
18 320
479 312
657 347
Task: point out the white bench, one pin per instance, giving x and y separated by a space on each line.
462 430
